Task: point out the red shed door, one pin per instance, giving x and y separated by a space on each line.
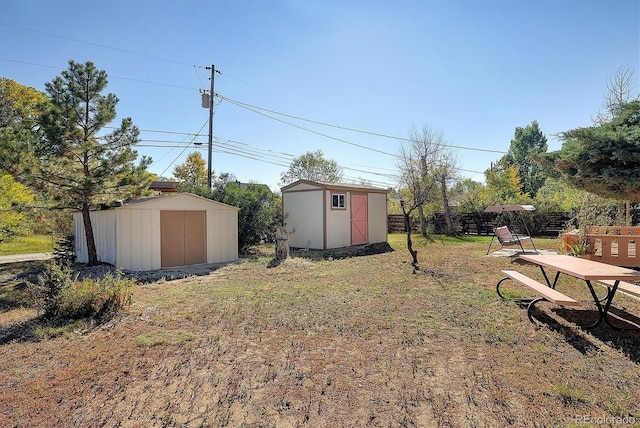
359 215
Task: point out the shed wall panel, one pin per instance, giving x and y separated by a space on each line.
303 186
136 237
80 247
222 236
377 218
303 215
104 232
104 226
338 222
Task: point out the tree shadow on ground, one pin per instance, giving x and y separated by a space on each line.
24 331
38 328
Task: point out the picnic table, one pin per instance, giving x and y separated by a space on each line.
613 277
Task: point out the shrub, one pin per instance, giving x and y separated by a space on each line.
51 282
62 298
64 248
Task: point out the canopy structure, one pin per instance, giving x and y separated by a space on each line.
513 237
508 208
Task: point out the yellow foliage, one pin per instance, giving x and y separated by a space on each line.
12 194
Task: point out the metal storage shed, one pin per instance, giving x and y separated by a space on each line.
328 215
166 231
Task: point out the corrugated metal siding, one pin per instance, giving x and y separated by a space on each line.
80 247
129 236
137 238
222 236
104 234
104 231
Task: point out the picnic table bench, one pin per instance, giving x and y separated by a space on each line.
623 286
545 292
587 270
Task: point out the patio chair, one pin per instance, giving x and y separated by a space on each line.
505 237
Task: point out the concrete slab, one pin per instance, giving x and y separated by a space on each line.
504 252
18 258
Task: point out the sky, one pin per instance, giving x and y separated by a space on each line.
348 77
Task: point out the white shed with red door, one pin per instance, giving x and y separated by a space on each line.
329 215
179 229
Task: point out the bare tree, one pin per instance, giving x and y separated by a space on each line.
620 89
447 173
425 164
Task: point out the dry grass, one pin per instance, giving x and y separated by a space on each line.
358 341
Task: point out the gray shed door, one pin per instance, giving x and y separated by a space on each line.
183 238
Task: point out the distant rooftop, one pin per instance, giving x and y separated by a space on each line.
164 186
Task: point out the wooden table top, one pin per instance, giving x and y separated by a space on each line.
582 268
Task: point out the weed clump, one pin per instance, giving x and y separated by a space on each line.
60 297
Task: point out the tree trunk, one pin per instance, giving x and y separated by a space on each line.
423 221
92 253
448 216
407 227
282 243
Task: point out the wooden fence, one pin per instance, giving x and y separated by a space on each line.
539 224
615 245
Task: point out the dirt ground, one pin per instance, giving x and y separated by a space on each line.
338 342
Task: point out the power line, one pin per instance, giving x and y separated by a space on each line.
375 134
111 76
254 109
314 132
261 151
260 110
95 44
289 155
183 150
256 154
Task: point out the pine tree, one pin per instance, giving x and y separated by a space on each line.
76 163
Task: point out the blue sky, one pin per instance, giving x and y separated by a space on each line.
472 69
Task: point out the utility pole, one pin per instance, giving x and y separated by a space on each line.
211 97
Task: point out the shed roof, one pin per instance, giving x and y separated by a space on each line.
335 186
170 196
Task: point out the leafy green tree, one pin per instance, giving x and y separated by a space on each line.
13 196
74 162
259 208
503 182
19 113
557 195
602 159
470 196
312 166
193 172
527 143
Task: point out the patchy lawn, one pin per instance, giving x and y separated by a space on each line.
27 244
358 341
